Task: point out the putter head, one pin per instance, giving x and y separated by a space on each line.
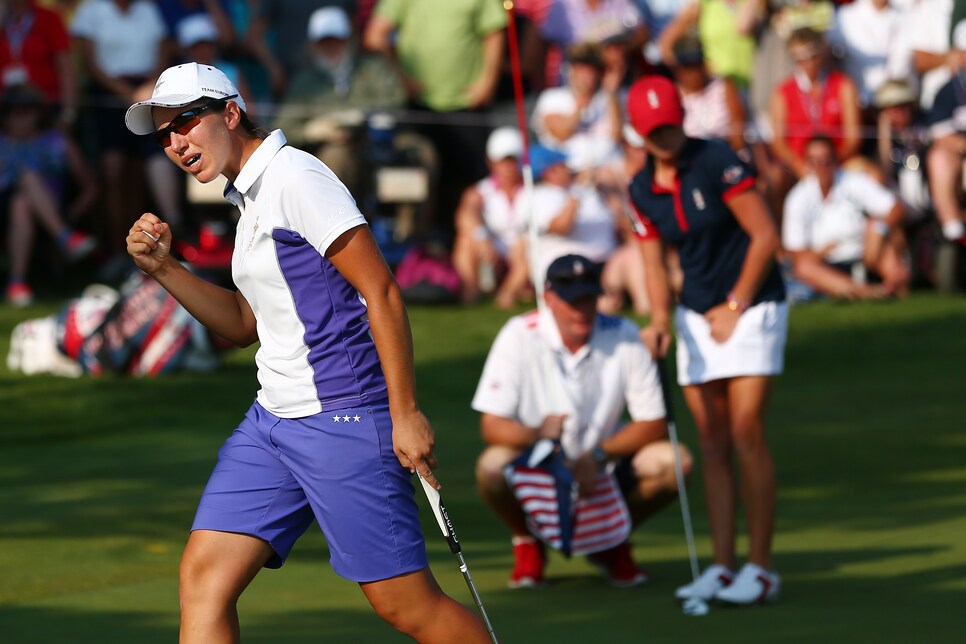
695 606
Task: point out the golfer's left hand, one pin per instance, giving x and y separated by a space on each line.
413 440
723 322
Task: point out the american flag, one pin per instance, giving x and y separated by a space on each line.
567 522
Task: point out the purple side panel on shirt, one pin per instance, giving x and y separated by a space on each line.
341 351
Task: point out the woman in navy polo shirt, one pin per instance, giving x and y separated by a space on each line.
335 429
731 322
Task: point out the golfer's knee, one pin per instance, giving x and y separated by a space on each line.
748 438
405 617
200 582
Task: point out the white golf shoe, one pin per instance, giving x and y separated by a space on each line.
714 578
752 585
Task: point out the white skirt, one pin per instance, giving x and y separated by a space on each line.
755 348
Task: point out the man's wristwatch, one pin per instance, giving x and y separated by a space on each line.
599 456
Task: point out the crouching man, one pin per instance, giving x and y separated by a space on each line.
567 374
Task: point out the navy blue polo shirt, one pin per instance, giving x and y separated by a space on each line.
694 217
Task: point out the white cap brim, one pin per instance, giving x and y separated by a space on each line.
138 117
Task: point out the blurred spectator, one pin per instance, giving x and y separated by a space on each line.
729 53
491 226
450 71
35 49
276 35
573 217
929 27
840 225
35 161
947 126
63 8
871 38
218 12
199 41
572 22
902 139
337 79
581 119
124 45
814 100
657 14
329 99
771 23
712 106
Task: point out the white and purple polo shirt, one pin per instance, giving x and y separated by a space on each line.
316 351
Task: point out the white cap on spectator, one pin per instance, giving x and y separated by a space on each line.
959 36
195 29
504 142
329 22
179 86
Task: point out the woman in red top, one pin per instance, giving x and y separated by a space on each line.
813 100
35 49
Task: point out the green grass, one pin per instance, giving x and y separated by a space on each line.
99 479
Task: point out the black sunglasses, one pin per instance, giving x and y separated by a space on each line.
186 121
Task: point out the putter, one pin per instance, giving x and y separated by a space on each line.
446 527
694 606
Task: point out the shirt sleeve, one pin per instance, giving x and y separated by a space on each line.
492 17
84 23
875 199
498 391
318 207
730 172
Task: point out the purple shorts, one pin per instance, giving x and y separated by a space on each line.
274 475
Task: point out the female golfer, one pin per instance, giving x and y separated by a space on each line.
335 430
731 323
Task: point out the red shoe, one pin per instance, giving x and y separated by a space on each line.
529 561
618 566
77 246
19 294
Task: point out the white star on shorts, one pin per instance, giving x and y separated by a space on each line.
336 418
356 418
345 418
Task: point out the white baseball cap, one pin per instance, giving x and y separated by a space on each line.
504 142
179 86
195 29
329 22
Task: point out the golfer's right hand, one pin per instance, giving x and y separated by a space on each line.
657 339
149 243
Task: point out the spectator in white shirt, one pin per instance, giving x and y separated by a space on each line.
872 38
841 225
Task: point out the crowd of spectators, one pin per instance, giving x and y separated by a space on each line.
852 116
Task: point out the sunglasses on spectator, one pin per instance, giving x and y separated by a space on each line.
821 162
805 55
186 121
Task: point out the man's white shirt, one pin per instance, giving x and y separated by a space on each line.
812 221
529 375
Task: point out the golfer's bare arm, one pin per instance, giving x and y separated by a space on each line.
225 312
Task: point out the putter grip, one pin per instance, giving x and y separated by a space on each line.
442 518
